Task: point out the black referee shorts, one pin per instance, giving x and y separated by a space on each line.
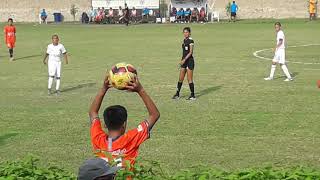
189 64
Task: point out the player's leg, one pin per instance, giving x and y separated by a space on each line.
190 80
273 67
283 65
58 77
179 85
10 48
51 72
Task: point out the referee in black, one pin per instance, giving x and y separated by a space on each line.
186 64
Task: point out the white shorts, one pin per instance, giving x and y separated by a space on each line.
54 68
280 56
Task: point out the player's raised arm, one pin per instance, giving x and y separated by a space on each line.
95 106
154 113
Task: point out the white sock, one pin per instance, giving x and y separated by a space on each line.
286 71
273 69
58 84
50 82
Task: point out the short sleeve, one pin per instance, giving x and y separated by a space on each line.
139 134
97 135
191 42
63 50
48 49
281 35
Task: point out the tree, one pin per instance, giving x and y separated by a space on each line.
73 11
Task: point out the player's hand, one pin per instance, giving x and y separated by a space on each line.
106 83
134 85
182 62
44 62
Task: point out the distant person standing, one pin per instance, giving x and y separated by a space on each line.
126 14
312 9
10 37
44 16
55 51
233 9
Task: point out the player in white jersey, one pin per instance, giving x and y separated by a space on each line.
279 55
55 51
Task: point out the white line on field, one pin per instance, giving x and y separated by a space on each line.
256 54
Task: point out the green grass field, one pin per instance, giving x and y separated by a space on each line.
238 121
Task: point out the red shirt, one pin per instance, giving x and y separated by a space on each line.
124 148
10 33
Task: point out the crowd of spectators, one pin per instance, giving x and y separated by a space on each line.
119 15
189 15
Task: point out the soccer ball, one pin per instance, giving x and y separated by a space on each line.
120 74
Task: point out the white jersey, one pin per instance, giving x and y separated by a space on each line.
280 35
55 52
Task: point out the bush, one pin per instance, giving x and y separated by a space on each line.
28 169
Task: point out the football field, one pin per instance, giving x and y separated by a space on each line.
238 120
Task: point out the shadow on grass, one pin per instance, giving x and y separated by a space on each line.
78 87
27 57
4 137
208 91
293 75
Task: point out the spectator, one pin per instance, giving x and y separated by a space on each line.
174 12
43 16
202 15
120 14
187 14
122 145
110 16
195 15
312 9
233 9
97 169
134 15
84 18
93 15
180 15
126 15
145 13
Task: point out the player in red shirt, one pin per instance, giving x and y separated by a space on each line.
10 37
122 145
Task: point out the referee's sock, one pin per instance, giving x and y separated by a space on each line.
191 86
179 85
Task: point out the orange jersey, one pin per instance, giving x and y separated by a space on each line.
124 148
10 34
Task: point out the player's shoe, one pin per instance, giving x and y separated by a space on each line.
57 92
191 98
49 91
288 79
268 78
11 59
176 96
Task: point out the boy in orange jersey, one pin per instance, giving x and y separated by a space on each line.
122 145
10 37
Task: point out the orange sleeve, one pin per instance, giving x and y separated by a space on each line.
98 136
140 134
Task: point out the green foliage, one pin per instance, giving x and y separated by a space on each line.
29 169
73 11
228 9
163 8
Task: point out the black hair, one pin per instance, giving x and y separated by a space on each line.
114 117
10 19
187 29
277 23
234 2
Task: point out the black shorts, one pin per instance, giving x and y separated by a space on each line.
233 14
189 64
